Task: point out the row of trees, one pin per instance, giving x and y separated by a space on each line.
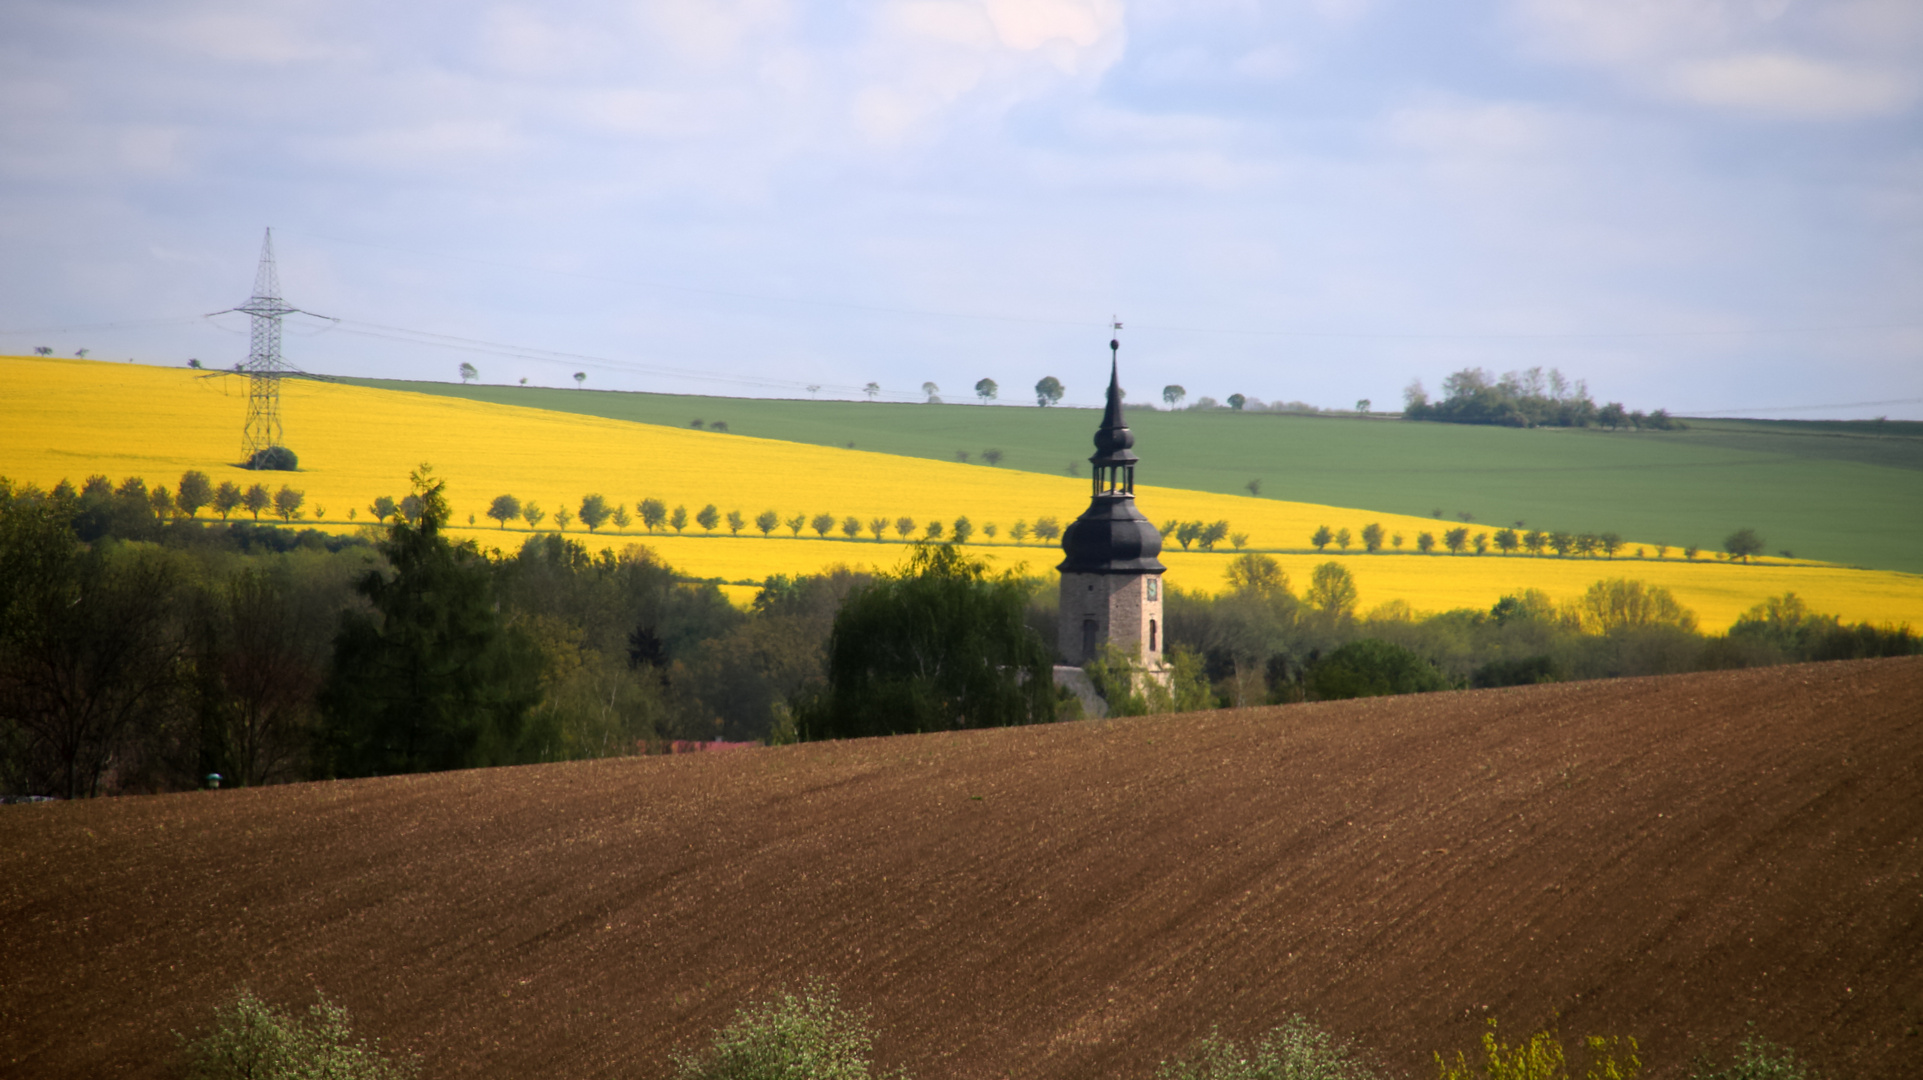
97 498
595 512
1531 398
1740 545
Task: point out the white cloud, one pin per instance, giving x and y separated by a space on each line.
1783 84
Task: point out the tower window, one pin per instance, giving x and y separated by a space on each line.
1089 630
1151 636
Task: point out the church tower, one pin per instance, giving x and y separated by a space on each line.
1112 580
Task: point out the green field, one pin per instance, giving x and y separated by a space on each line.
1848 493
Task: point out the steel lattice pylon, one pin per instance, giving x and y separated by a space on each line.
264 367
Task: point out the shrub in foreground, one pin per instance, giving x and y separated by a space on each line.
1541 1057
1297 1050
805 1036
1757 1059
253 1040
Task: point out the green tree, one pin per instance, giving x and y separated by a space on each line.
1506 540
1372 537
933 530
1343 539
1188 532
1480 542
1425 542
1236 401
877 526
1259 575
766 521
468 372
532 512
992 456
985 390
1372 668
964 529
1019 530
1456 539
654 513
1742 544
708 517
504 508
736 522
620 517
794 1037
256 499
195 492
1213 534
1611 543
851 527
1047 529
429 678
796 524
1323 537
382 508
823 524
1620 603
933 393
595 512
1332 591
1586 544
287 502
1048 391
679 519
939 645
253 1040
904 526
1172 395
1562 543
562 516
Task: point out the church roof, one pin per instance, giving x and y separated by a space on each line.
1112 536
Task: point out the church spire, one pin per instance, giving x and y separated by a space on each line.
1114 462
1112 536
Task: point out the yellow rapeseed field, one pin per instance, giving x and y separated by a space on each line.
67 419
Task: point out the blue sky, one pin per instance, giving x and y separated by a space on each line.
1705 205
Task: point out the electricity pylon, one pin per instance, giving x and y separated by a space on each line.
264 367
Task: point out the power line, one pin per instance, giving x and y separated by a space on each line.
1800 408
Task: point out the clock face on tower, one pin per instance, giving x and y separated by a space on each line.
1154 588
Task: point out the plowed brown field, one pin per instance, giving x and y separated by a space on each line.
1669 858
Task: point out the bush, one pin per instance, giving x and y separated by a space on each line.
253 1040
1297 1050
806 1036
1541 1057
274 459
1372 668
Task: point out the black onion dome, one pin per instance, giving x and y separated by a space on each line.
1111 537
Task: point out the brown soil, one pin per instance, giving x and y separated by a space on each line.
1669 858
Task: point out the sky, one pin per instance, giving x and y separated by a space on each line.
1710 206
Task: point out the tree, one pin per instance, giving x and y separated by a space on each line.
933 392
933 530
504 508
1322 538
1505 540
1612 415
1561 542
1236 401
992 456
1611 543
287 502
1619 604
256 499
964 529
985 390
562 516
988 529
1586 544
1047 529
1456 539
1372 537
1332 591
195 492
410 509
877 526
1742 544
679 519
163 502
796 523
382 508
1480 542
735 522
532 512
1259 575
620 517
904 526
468 372
823 524
961 456
1254 487
1019 530
654 513
580 379
1048 391
594 512
851 527
1172 395
1362 406
1371 668
708 517
1535 540
871 390
1238 540
1342 539
1425 542
766 521
940 645
1690 552
1187 533
429 678
1213 534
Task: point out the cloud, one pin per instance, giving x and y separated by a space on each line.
1784 84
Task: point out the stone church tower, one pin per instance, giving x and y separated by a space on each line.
1112 580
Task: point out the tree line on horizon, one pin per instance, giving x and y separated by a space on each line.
1528 398
1741 545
